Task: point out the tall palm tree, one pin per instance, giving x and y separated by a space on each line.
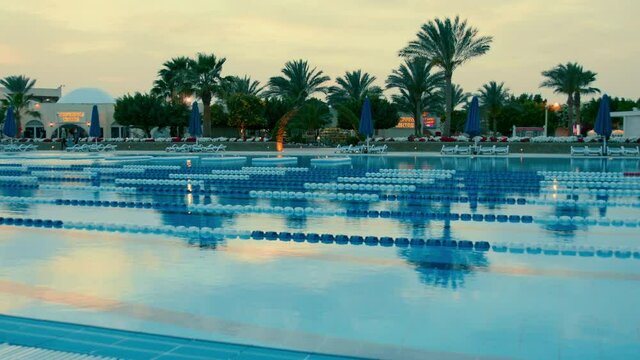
17 94
170 82
298 83
572 80
203 79
493 97
354 85
585 78
416 84
448 44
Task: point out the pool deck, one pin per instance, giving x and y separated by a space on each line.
75 339
316 152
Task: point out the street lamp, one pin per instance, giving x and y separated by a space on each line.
554 107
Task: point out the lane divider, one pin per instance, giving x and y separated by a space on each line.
206 233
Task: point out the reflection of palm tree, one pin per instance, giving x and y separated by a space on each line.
17 207
567 230
444 267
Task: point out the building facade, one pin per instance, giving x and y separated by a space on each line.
69 114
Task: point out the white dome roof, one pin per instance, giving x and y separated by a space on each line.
87 96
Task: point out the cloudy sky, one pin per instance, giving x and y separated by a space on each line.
119 45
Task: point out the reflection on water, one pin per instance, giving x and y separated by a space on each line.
442 267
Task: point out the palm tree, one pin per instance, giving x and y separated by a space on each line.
298 83
585 78
448 44
572 80
354 85
493 97
203 79
170 82
416 85
18 88
458 97
244 85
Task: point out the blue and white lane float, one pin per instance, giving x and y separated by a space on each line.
271 161
205 233
331 161
358 187
297 195
209 177
386 180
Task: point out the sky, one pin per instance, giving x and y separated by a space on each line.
119 45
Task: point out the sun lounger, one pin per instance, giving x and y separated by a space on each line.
593 151
632 151
213 148
356 149
615 150
484 150
449 150
342 149
178 148
578 150
377 149
501 150
463 150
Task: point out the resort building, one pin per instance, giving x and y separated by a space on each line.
71 113
630 122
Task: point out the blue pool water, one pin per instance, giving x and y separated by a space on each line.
455 257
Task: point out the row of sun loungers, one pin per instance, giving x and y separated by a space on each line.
597 151
361 149
18 147
196 148
470 150
91 148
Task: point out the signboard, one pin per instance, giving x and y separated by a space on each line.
406 122
70 116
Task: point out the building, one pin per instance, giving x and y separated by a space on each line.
630 122
71 113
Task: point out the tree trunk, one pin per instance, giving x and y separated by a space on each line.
570 112
446 126
576 103
206 116
417 120
495 124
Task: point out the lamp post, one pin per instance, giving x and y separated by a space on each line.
555 107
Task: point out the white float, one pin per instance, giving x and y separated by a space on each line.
331 161
224 160
274 161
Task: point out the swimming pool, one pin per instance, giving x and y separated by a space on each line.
386 257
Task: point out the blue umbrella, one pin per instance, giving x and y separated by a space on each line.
603 125
472 126
9 128
94 128
366 120
195 128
